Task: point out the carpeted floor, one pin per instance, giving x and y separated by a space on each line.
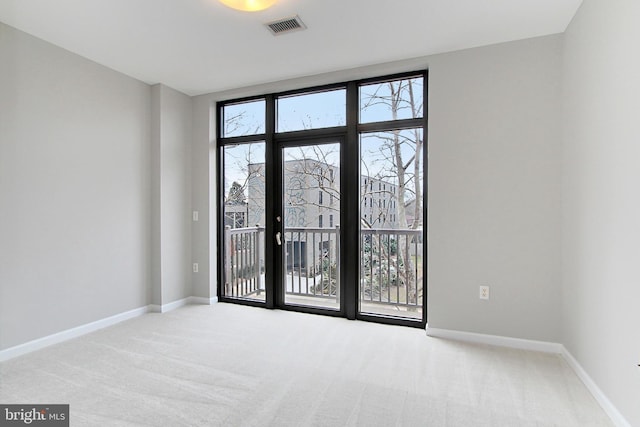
228 365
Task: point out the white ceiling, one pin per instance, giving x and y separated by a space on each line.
201 46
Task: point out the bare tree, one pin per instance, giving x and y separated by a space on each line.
401 152
236 195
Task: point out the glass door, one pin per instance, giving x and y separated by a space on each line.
309 236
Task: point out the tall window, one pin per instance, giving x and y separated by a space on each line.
392 151
359 145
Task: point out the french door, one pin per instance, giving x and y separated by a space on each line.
321 200
308 224
282 240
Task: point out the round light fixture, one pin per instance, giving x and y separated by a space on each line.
248 5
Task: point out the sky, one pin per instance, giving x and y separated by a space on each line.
315 110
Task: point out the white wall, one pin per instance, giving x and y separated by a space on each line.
601 199
203 245
74 190
494 198
171 194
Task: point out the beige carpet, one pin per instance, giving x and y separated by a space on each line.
227 365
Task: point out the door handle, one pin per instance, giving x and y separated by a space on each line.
278 239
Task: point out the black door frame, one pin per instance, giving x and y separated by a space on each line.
296 139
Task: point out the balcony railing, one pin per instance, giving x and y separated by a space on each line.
311 261
391 268
244 262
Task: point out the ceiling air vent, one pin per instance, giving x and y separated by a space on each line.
286 25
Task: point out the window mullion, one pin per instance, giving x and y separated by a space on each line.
349 229
273 258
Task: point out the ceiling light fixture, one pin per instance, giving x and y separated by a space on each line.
248 5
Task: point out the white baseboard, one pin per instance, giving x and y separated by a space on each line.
164 308
59 337
203 300
519 343
155 308
615 415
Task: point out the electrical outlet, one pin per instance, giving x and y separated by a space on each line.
195 267
484 292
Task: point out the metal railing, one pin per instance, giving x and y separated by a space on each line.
311 261
244 261
391 267
390 264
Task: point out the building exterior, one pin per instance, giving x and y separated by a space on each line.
378 204
312 197
312 208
